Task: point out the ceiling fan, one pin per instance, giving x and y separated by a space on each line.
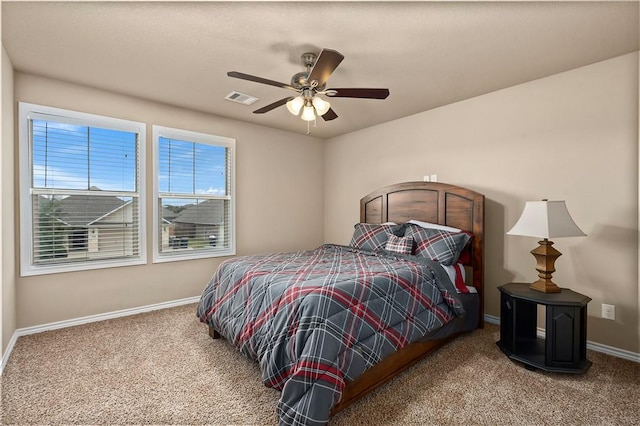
310 84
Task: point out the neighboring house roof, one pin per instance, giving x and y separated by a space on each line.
168 215
85 210
210 212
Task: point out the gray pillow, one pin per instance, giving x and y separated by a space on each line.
373 237
438 245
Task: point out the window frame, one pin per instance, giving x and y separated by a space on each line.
199 138
29 112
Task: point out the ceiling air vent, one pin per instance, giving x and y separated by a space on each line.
241 98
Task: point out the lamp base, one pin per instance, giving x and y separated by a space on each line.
545 286
546 257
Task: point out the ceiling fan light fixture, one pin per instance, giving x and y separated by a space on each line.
309 84
308 113
295 104
321 105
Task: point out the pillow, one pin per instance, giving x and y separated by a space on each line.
397 244
430 225
457 274
438 245
372 237
465 256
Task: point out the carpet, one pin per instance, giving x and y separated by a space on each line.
162 367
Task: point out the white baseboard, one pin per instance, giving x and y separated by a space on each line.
596 347
88 319
491 319
5 355
610 350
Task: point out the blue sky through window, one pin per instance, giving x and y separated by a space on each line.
80 157
191 168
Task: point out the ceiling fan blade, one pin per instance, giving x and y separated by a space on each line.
327 62
274 105
358 93
249 77
330 115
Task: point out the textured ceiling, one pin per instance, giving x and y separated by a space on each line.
427 53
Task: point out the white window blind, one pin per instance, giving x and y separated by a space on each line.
194 211
83 185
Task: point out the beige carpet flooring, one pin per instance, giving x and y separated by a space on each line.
162 368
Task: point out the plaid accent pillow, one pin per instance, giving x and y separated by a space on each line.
397 244
372 237
438 245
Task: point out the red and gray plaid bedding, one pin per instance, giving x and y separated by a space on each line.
317 319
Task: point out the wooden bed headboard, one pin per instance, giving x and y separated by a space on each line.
433 202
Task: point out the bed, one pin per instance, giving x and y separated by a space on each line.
330 325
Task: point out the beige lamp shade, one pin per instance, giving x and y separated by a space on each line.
546 219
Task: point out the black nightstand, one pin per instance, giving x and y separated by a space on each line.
564 348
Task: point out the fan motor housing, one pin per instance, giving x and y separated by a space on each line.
299 80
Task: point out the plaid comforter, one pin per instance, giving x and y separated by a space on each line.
317 319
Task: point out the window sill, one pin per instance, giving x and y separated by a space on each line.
186 254
27 271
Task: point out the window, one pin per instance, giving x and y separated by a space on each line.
194 195
81 191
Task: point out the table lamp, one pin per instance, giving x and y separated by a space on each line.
546 219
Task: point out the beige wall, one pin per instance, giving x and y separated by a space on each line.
279 182
7 224
571 136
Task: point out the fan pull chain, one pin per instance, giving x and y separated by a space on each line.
315 125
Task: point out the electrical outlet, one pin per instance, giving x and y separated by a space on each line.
426 178
434 178
608 311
